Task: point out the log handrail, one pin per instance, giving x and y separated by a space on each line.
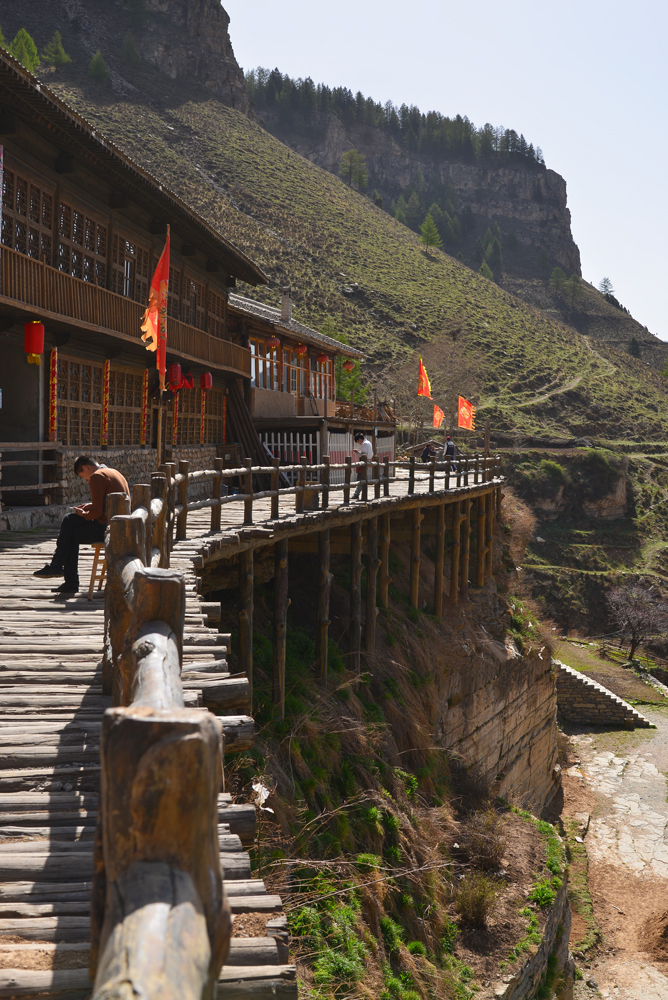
161 924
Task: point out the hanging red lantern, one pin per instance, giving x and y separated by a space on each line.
33 341
348 365
206 381
174 375
273 342
301 349
322 359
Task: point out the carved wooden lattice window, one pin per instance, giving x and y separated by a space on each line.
190 401
174 294
27 216
125 396
82 245
194 299
213 420
129 269
217 312
79 406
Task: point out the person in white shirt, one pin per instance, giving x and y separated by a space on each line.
363 447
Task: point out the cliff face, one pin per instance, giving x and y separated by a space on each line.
527 199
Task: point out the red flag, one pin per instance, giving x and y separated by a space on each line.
154 323
465 414
439 416
424 387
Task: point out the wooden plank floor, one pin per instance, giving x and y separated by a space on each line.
50 719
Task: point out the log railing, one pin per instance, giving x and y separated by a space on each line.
53 292
160 921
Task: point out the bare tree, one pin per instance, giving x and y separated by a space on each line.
637 612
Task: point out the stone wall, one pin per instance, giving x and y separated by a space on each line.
584 700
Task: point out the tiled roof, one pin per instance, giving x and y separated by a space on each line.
269 314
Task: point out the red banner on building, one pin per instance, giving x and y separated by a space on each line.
465 414
144 407
439 416
175 420
154 323
105 403
53 395
424 386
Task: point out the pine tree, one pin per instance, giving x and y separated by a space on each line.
485 271
634 348
487 238
129 52
54 53
605 287
353 168
430 237
480 248
557 280
574 288
414 211
494 257
24 51
98 67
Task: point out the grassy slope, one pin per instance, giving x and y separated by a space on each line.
306 228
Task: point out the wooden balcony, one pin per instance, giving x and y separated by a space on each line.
51 294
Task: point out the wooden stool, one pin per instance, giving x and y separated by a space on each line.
98 572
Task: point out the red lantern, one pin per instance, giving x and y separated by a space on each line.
174 376
33 341
322 359
348 365
206 381
301 349
188 381
273 342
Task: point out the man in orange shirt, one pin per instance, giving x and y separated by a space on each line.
85 524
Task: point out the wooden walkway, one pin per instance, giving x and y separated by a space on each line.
50 720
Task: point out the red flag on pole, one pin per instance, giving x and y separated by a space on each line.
424 387
439 416
465 414
154 323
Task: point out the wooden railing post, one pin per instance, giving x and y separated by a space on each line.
373 565
159 491
216 492
432 476
248 490
386 483
438 567
169 469
416 521
411 475
182 499
466 471
274 487
281 603
466 550
115 609
355 594
481 553
454 554
365 478
324 590
300 495
246 618
141 497
385 559
347 477
476 473
446 477
324 480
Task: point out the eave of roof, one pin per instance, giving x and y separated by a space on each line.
272 316
77 137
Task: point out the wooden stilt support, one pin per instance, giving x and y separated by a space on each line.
454 555
324 590
275 463
355 594
385 560
489 532
182 500
216 488
281 604
482 552
498 502
438 569
373 565
246 618
416 519
466 550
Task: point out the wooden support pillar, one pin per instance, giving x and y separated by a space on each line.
324 590
275 482
216 490
248 491
355 594
182 499
438 570
482 552
364 473
324 480
499 497
300 495
416 519
373 565
281 604
347 473
411 474
246 619
386 478
466 550
454 555
489 522
432 476
385 559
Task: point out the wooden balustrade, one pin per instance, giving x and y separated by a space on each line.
60 295
160 922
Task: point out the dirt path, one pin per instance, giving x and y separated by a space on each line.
620 781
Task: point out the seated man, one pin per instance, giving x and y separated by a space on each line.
85 524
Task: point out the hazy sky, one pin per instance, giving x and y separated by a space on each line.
585 81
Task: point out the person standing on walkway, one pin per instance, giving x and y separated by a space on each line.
449 452
363 447
85 524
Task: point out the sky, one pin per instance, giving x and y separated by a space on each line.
585 81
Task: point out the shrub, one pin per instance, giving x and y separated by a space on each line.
392 933
543 893
475 897
450 932
97 68
417 948
553 471
484 839
54 53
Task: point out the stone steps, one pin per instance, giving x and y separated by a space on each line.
581 699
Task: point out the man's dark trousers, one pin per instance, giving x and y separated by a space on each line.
75 531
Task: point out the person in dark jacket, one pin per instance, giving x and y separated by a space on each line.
449 452
428 453
85 524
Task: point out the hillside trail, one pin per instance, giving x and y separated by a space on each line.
620 781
